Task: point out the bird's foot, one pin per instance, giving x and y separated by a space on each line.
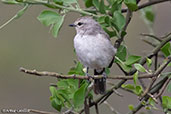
89 77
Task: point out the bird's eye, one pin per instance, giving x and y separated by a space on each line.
79 24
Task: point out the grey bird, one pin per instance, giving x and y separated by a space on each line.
93 49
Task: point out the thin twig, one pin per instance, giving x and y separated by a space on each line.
153 90
163 88
96 108
165 36
156 62
57 6
154 51
40 112
152 36
86 107
121 37
158 71
149 42
111 108
15 16
150 3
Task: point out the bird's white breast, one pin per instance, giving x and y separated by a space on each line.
94 51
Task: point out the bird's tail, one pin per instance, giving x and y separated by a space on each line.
99 84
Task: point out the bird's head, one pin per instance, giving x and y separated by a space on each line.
84 23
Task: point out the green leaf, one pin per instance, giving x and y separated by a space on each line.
77 70
138 90
166 102
148 108
107 71
88 3
115 7
104 21
128 86
118 20
48 17
110 33
101 19
60 2
131 107
79 96
53 91
132 59
102 7
131 4
169 64
122 52
57 26
96 4
51 18
69 1
10 1
148 15
166 49
169 88
56 104
21 12
125 67
144 103
139 67
123 33
151 102
135 77
149 62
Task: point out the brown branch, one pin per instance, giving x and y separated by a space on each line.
154 51
56 75
163 88
158 71
40 112
97 109
150 3
86 107
153 90
121 37
111 108
148 41
152 36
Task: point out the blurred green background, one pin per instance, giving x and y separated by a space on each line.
27 43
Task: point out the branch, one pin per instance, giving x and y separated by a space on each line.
97 109
155 89
121 37
163 88
57 6
111 108
152 36
56 75
110 91
157 73
40 112
17 15
153 53
150 3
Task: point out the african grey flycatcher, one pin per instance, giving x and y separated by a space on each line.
94 49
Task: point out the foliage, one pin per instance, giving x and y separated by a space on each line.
70 93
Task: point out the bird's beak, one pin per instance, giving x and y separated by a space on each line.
72 25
